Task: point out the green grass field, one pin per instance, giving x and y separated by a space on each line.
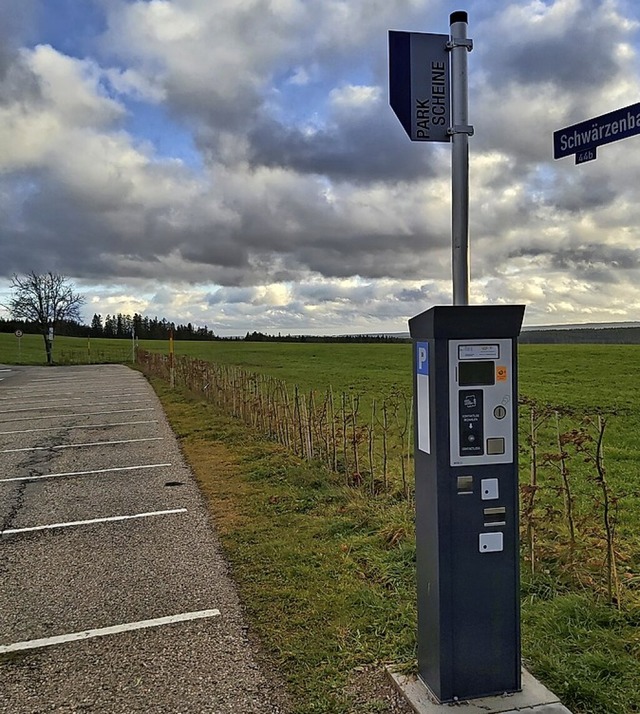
29 350
583 376
588 378
337 600
588 652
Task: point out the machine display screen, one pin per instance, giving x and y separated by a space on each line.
474 374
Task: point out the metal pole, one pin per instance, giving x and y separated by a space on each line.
460 130
172 377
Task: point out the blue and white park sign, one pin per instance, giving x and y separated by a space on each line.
419 90
583 138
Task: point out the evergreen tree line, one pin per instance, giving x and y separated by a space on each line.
67 328
261 337
151 328
117 326
146 328
584 335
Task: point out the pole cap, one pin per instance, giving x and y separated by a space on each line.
458 16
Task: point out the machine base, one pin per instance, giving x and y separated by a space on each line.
534 698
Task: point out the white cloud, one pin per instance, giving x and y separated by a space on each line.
299 77
352 97
70 87
131 83
307 178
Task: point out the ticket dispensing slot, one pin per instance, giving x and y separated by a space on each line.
495 516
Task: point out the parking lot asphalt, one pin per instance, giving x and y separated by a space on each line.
114 592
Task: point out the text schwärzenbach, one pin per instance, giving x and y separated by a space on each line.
595 132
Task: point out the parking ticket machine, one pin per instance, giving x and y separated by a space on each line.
466 455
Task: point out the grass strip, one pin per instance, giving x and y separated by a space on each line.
328 578
327 574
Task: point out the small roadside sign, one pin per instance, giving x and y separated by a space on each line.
584 156
419 89
18 333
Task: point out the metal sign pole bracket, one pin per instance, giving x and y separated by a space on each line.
460 42
460 129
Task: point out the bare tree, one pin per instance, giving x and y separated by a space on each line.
44 300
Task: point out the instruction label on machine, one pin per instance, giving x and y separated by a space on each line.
422 390
470 425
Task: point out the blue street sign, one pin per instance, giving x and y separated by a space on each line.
579 138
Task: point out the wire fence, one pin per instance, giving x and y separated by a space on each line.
369 442
569 506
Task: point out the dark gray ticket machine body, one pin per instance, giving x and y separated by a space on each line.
466 454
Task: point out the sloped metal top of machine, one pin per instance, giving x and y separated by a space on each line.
468 322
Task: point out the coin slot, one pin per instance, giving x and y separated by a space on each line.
500 412
465 485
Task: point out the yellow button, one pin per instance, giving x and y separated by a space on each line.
501 373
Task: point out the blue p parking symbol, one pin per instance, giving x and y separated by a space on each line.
422 392
422 349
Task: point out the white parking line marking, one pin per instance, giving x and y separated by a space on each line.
109 519
79 426
74 446
70 387
67 381
88 373
62 396
49 399
77 386
113 630
83 473
72 377
62 406
75 414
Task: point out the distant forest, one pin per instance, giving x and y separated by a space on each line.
118 326
583 335
151 328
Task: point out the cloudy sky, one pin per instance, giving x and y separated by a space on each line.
235 163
